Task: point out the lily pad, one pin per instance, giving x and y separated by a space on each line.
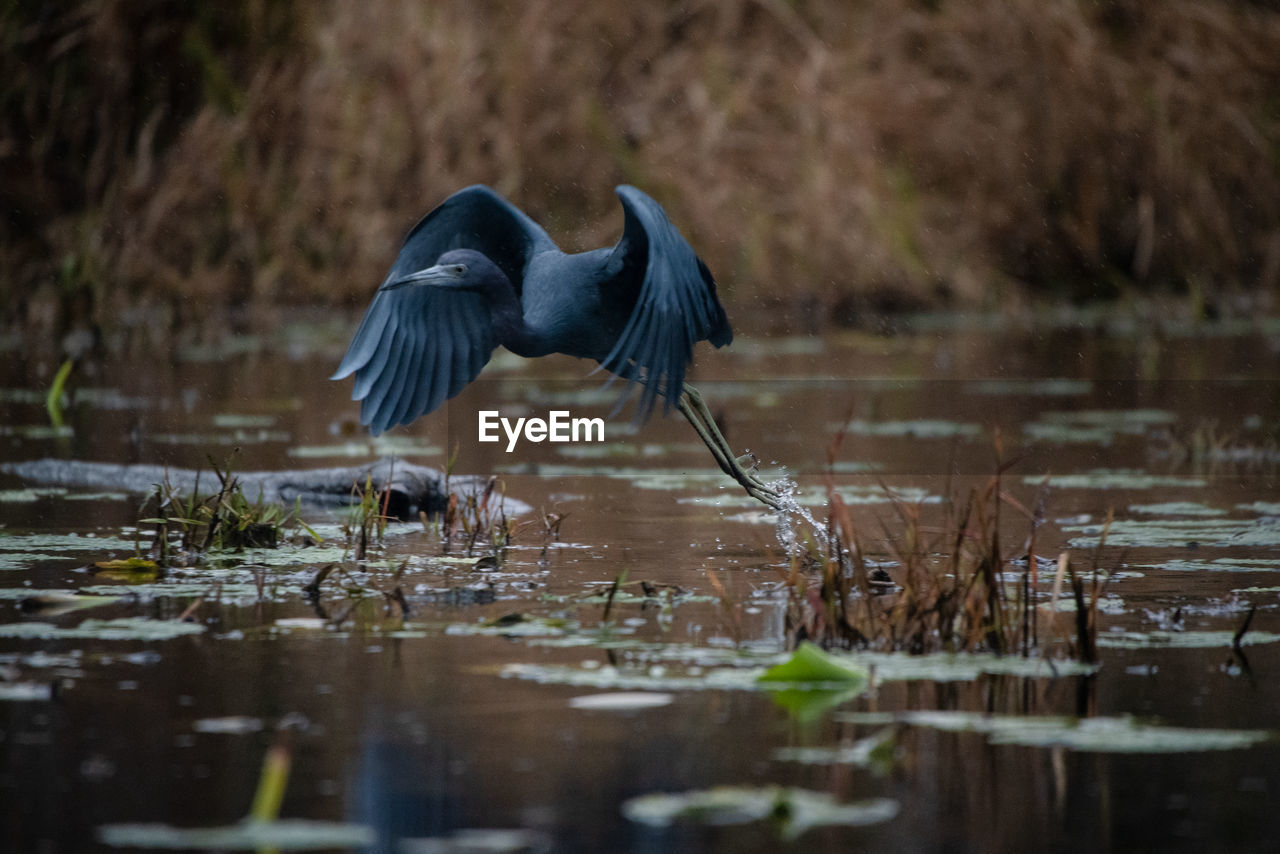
1218 565
1265 508
809 665
232 437
479 840
916 429
233 420
37 431
25 692
875 750
125 628
131 569
794 810
732 670
1117 480
515 625
1068 434
1094 735
1177 508
231 725
25 496
1180 533
622 701
1182 640
1046 387
62 543
1107 605
284 835
1120 420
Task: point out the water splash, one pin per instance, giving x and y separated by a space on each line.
790 510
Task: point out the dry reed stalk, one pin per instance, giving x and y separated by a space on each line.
866 157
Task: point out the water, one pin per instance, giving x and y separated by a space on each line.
431 725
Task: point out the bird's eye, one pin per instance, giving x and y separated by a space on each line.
458 269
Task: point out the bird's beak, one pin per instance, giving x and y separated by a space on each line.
440 274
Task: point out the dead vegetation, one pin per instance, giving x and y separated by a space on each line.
888 154
952 587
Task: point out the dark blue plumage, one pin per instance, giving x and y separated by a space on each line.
477 272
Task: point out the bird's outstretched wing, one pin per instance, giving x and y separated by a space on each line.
675 305
419 346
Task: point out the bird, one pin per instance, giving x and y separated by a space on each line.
477 272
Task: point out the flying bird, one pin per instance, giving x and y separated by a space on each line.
477 273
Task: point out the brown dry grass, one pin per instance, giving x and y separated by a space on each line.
950 587
886 153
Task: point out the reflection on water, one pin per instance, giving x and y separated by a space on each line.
430 714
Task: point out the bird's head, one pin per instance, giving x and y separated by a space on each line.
458 269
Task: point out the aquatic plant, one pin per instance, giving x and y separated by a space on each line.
943 589
226 520
367 519
481 518
1204 447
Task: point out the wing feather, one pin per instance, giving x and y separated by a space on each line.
675 303
416 363
381 400
418 346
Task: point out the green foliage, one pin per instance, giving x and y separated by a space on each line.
810 665
53 401
224 521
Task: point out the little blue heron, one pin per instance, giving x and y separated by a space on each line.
477 272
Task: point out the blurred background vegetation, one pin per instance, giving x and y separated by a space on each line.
208 163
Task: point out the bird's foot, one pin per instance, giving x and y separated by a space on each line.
693 409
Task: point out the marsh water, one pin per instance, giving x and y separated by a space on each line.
516 697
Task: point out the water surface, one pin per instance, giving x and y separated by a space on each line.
432 724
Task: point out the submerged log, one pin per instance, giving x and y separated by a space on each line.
413 488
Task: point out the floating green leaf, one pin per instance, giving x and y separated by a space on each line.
130 569
809 665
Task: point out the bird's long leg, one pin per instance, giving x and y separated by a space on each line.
695 410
